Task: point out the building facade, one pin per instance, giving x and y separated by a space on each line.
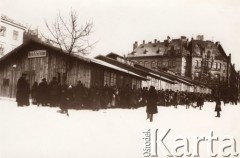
160 80
11 35
197 59
40 60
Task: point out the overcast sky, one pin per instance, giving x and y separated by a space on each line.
118 23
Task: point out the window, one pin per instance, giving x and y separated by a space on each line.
109 78
200 63
174 63
2 31
208 54
154 82
136 83
215 65
209 64
223 68
5 82
184 64
146 64
15 35
113 79
196 63
1 49
159 64
169 63
153 64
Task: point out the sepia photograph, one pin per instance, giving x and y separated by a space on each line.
119 78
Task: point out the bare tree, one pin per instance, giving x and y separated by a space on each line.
69 36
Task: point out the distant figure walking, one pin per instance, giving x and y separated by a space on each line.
23 91
152 98
64 98
218 107
200 101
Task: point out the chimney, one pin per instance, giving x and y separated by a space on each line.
200 37
229 57
158 41
183 37
149 42
135 45
143 41
155 40
145 51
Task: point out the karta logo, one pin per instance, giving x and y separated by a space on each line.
155 140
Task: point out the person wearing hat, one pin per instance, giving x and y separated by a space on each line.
152 98
218 108
43 92
53 88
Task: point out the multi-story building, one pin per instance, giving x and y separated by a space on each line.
11 35
167 55
197 59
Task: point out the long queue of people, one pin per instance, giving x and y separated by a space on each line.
79 96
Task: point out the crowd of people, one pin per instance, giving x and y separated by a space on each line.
80 97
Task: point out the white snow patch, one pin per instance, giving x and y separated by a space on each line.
42 132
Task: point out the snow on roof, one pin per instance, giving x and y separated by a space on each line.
103 63
163 78
183 81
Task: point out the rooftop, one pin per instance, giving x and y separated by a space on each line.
8 20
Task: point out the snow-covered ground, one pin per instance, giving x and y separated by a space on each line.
42 132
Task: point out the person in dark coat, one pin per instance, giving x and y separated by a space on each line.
187 101
23 91
53 88
105 97
96 98
43 92
34 92
218 106
133 97
79 93
200 101
64 98
152 98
